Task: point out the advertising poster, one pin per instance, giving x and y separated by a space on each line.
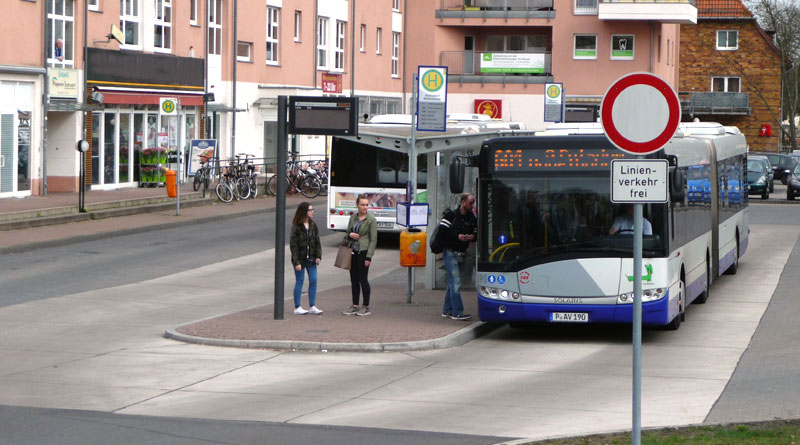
201 150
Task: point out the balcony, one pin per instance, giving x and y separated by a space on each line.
496 9
504 68
682 12
708 103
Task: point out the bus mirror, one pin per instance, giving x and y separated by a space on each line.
457 170
677 189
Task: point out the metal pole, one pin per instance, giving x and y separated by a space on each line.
412 174
353 52
81 189
179 154
280 209
637 324
235 66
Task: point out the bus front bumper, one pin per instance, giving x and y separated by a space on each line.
494 311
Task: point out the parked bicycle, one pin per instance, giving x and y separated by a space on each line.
299 178
202 176
234 183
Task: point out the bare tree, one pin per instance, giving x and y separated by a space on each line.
783 18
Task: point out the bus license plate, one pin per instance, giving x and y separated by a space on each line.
570 317
385 225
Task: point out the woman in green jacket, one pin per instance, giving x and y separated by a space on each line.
362 237
306 255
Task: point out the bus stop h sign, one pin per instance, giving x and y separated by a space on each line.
640 113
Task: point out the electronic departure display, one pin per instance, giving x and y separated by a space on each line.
556 159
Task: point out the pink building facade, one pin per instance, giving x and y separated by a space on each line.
227 61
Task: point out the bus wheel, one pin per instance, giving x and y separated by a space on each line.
518 325
735 266
676 322
703 297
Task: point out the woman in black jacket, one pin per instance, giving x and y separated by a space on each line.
306 254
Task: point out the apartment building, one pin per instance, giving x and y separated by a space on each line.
730 72
583 44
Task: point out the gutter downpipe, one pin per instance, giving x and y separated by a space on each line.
205 82
316 53
235 63
85 79
405 33
353 52
652 46
46 92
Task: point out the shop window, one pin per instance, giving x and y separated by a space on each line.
622 47
585 46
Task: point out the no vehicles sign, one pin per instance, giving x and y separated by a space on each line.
639 180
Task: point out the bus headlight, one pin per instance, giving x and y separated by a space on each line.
648 295
497 294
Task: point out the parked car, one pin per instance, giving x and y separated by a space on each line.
793 185
782 165
770 171
758 177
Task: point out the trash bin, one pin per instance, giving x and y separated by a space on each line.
172 186
413 249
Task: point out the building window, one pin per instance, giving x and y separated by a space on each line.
338 59
396 5
129 22
244 51
728 40
322 42
94 5
298 22
395 54
215 27
163 25
192 12
585 7
622 47
523 43
60 35
378 41
585 46
363 38
272 35
726 85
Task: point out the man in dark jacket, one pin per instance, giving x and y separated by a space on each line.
459 228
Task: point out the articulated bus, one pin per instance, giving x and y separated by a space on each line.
545 252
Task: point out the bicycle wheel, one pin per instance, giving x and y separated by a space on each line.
243 187
198 180
272 186
253 186
224 192
310 187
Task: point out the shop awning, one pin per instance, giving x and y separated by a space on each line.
149 98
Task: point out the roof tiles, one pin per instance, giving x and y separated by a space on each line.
709 9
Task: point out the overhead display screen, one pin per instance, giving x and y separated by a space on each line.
556 159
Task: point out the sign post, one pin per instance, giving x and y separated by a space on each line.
640 113
170 106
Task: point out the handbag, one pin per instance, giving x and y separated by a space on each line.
344 256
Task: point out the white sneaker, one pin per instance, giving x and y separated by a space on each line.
314 310
300 311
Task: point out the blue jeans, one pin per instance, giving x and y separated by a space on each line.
452 298
299 275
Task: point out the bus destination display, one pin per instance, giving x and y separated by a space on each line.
559 159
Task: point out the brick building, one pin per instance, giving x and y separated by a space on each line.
730 72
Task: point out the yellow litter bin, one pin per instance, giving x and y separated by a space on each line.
412 248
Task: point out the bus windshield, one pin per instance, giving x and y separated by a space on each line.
528 221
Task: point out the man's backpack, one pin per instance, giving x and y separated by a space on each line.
437 239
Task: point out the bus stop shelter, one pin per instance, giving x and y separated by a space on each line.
441 148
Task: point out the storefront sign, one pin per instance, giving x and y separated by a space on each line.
331 83
490 107
526 63
63 83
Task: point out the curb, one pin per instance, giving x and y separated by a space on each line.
458 338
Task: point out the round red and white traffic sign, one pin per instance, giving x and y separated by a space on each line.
640 113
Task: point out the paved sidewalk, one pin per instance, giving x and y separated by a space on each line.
394 325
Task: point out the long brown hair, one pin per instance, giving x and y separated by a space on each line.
302 212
